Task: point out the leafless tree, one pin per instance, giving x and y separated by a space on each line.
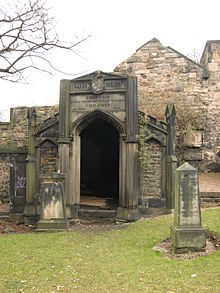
27 34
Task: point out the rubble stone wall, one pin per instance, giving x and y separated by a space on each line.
14 138
166 76
14 134
152 171
4 179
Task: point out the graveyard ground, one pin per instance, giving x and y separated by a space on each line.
106 259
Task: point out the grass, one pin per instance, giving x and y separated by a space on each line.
119 260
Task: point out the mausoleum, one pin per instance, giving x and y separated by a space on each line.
94 140
109 146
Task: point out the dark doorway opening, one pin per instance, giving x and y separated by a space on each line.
100 164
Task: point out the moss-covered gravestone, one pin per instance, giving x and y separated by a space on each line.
187 232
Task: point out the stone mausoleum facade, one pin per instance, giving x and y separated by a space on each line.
112 137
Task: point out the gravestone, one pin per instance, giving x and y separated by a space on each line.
187 232
53 206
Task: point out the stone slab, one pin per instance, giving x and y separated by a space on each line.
52 225
188 238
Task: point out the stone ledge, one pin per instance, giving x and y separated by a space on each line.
204 195
45 225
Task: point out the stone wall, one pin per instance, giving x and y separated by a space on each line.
14 139
4 179
14 134
211 62
48 158
152 171
153 139
166 76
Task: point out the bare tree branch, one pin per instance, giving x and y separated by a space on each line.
27 34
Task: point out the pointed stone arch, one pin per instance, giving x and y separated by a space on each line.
83 121
48 155
153 170
155 139
78 127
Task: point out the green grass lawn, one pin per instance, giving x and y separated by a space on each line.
118 260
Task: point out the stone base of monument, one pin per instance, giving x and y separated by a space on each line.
126 214
53 206
72 211
30 216
16 217
51 225
187 239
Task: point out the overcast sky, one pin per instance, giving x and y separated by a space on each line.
117 29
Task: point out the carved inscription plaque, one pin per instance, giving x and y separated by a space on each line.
189 200
97 85
90 102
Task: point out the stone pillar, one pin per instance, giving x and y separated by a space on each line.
53 205
187 232
30 211
122 170
171 160
64 139
170 119
170 182
64 111
128 210
73 200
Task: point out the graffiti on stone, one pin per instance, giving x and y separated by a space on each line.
21 182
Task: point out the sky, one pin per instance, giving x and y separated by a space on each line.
117 28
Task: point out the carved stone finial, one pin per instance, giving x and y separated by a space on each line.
170 109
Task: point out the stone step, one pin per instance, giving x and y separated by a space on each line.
4 216
96 207
204 195
87 216
151 212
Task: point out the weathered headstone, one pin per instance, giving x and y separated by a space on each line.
187 232
53 206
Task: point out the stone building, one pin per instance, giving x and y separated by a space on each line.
94 141
112 136
167 76
14 141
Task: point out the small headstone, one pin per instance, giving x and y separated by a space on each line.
187 232
53 207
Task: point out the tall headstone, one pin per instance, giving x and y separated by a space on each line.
187 232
